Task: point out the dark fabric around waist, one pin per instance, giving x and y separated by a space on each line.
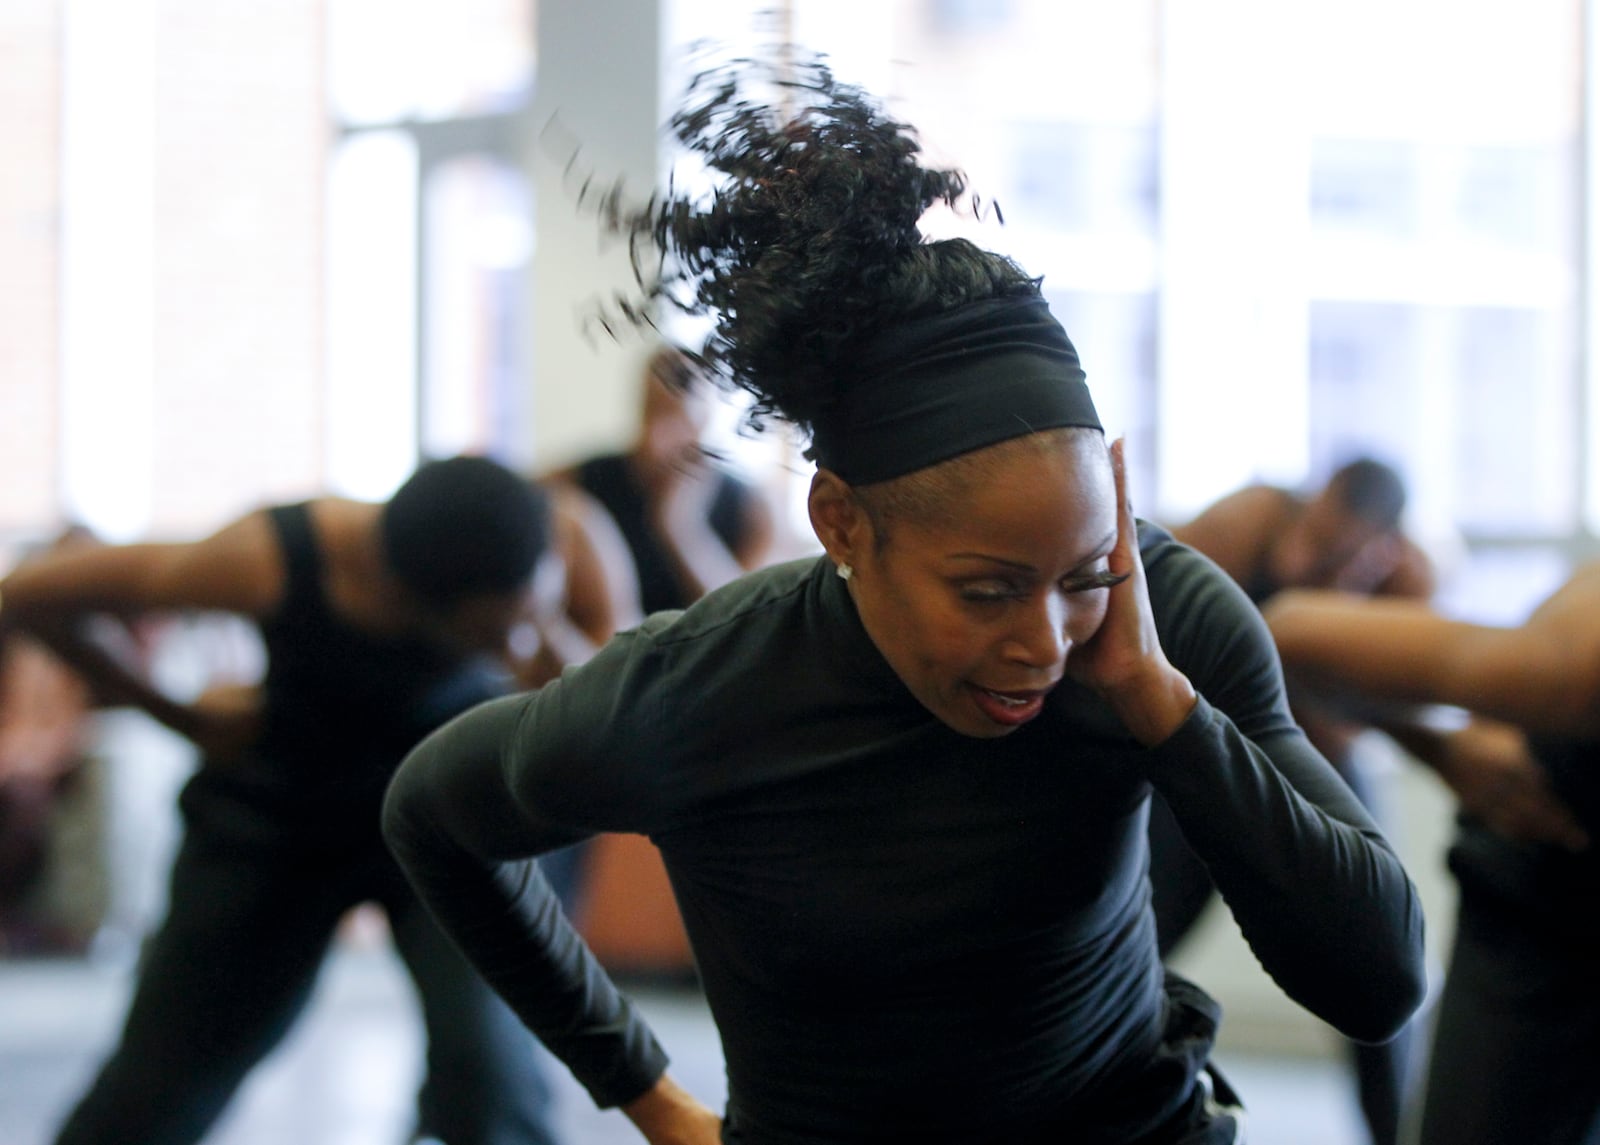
1173 1099
1176 1070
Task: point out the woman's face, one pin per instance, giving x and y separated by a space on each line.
673 422
978 612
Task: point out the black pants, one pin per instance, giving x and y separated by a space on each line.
1516 1052
252 908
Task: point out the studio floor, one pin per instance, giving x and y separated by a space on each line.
347 1072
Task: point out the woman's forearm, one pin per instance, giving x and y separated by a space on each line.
1322 900
113 680
1395 649
467 845
1544 680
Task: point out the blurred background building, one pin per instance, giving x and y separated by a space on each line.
254 250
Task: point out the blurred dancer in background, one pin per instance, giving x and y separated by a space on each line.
690 524
1516 1046
380 623
44 722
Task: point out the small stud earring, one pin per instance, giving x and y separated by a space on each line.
845 571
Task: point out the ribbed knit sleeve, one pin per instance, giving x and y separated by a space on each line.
1317 890
466 842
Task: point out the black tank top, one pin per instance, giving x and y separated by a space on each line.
610 480
344 706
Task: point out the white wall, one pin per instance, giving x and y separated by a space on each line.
597 105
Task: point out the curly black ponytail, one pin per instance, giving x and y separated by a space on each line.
810 244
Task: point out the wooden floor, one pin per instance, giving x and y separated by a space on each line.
346 1075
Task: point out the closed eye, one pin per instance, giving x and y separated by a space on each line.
1103 579
991 592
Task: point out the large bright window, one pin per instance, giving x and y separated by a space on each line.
1280 234
1285 235
430 235
250 252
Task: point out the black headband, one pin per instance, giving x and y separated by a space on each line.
941 386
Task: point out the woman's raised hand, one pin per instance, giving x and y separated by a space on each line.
1124 661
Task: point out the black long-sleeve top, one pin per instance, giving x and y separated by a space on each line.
905 933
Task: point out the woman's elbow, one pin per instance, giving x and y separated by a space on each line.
1392 1007
404 810
1394 993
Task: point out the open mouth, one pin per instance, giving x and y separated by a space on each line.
1009 708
